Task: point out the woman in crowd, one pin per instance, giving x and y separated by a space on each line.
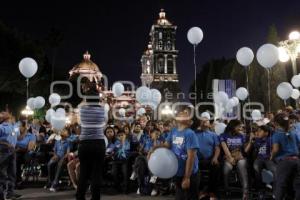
233 143
285 152
91 150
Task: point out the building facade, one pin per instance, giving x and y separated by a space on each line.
159 68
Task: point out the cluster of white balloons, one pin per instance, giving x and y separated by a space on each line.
267 56
36 102
219 128
147 96
221 98
163 163
56 118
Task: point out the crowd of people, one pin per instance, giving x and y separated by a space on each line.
270 144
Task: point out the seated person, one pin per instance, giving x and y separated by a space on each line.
121 154
61 150
74 168
233 143
263 147
24 148
137 132
141 164
208 155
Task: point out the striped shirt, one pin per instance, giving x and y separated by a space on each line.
92 120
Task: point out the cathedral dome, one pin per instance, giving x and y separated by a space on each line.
86 68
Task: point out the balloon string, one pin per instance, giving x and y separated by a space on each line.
249 102
195 66
27 88
269 90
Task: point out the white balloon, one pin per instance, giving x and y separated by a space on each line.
284 90
141 111
49 114
236 101
267 55
220 128
54 99
143 94
221 98
245 56
30 103
242 93
118 89
256 115
195 35
163 163
39 102
61 112
295 94
205 115
296 81
28 67
58 121
156 96
122 112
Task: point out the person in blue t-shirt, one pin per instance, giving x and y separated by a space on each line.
285 151
233 142
208 155
184 144
24 148
262 144
140 168
61 150
8 139
120 163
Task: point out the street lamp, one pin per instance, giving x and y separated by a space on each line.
289 49
27 112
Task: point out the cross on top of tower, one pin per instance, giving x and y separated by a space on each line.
86 56
162 18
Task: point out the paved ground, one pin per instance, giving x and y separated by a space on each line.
41 194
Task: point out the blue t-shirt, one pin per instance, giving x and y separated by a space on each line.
122 150
207 141
149 143
61 147
9 133
233 142
181 142
288 142
263 147
110 148
25 141
296 129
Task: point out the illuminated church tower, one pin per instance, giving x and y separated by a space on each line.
159 60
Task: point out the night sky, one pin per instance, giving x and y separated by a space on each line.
116 32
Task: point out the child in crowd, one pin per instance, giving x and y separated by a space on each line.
121 154
262 144
141 164
61 150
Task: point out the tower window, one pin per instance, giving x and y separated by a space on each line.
170 65
160 45
160 35
161 65
169 45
